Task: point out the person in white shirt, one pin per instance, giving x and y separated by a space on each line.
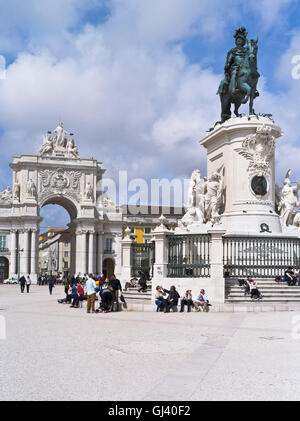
201 301
91 293
28 283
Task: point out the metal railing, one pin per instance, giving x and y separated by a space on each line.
189 256
143 258
259 257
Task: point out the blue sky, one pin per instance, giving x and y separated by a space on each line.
136 80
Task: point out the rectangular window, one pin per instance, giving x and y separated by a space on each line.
66 244
66 254
2 242
65 265
108 244
147 230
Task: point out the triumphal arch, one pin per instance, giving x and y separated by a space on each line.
56 176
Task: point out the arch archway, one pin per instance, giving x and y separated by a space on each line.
4 268
57 254
108 267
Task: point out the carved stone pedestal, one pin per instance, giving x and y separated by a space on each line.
244 149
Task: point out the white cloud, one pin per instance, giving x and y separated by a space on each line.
125 88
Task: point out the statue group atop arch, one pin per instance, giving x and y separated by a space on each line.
59 143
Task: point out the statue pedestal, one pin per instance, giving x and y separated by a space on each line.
242 150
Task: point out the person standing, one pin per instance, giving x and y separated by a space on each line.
116 286
22 281
67 286
91 293
28 283
51 285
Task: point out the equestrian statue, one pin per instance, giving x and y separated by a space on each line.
241 76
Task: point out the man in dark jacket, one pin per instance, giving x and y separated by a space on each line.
142 282
51 284
22 281
116 286
172 299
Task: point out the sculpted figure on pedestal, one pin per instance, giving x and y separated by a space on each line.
71 148
213 191
17 190
47 146
60 139
241 75
288 201
89 191
205 202
31 189
6 195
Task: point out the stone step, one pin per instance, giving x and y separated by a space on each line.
264 300
137 296
291 290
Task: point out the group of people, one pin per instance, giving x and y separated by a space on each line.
167 300
80 289
142 282
25 282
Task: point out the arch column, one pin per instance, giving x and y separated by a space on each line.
99 256
24 258
78 252
13 256
91 262
33 268
84 252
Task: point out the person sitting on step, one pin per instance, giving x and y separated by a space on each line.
172 300
201 302
289 277
131 283
254 291
160 300
187 300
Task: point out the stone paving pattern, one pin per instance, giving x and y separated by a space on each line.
53 352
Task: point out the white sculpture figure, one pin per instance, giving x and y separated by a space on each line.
296 221
17 190
89 191
288 201
31 189
47 145
71 148
60 138
6 195
195 204
213 191
193 189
